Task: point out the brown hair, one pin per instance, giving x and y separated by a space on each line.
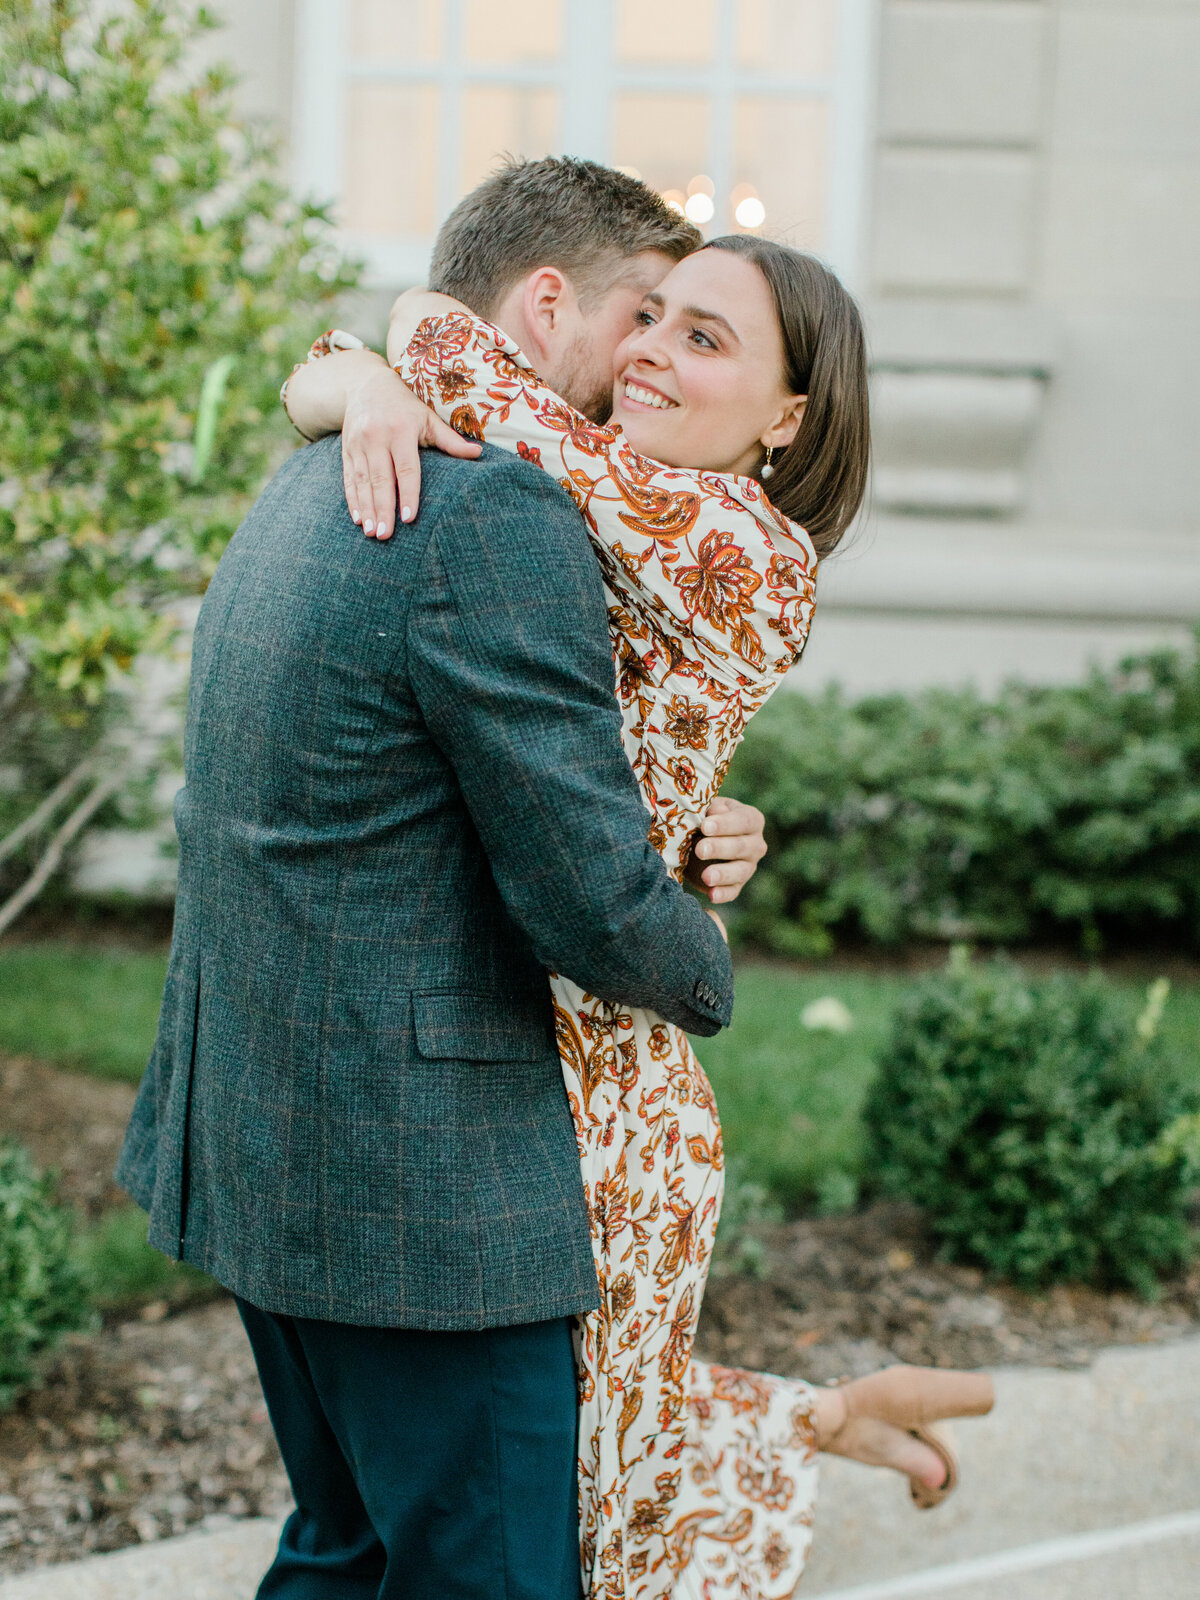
562 212
820 479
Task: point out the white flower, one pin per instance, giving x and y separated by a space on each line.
828 1014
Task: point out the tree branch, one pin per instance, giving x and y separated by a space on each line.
48 865
38 819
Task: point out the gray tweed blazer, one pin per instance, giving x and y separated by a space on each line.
405 799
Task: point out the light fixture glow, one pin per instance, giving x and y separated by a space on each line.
699 208
675 198
701 184
751 213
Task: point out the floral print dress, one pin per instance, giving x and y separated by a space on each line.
696 1481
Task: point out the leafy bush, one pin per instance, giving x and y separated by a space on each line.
1046 813
121 1271
155 281
1040 1125
41 1292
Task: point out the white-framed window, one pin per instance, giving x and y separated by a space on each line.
751 114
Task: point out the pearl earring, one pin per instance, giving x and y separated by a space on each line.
768 469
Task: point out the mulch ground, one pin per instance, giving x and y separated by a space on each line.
69 1122
144 1431
844 1295
155 1426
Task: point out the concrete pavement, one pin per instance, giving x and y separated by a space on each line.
1080 1486
1065 1456
224 1565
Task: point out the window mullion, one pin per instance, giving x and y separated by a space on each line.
452 110
588 83
721 116
319 114
852 103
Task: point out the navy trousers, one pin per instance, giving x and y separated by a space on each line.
428 1466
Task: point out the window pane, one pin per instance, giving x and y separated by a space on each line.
781 159
391 160
663 137
396 30
498 121
789 37
665 32
499 31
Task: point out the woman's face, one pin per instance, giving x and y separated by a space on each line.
699 381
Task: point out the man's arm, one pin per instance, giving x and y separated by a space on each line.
509 658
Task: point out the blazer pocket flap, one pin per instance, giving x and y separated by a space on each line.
472 1027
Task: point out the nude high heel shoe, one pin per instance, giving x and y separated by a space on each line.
915 1398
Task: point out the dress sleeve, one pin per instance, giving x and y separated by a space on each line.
687 551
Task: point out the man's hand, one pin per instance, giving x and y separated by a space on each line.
727 853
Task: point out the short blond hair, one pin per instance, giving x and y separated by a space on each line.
585 219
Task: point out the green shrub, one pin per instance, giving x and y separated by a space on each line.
121 1271
1048 813
156 282
1039 1124
41 1292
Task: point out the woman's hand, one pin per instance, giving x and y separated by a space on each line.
382 432
726 855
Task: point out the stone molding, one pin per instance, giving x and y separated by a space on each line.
957 392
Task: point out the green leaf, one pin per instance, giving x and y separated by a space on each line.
212 392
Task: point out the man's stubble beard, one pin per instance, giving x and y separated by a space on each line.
580 382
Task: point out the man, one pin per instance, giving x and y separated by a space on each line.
406 799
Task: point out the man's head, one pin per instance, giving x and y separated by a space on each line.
558 253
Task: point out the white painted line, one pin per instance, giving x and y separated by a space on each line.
1047 1553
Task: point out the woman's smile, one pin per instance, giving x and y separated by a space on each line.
644 397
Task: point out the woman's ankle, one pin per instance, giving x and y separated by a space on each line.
831 1414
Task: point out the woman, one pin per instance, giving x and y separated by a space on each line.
745 367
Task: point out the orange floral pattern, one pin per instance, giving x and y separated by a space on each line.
695 1480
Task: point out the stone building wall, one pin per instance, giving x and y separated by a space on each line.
1035 308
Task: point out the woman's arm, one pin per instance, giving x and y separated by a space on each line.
408 312
316 395
382 423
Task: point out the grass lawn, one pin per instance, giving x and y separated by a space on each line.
90 1007
790 1097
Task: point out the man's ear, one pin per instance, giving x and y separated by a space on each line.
546 298
787 425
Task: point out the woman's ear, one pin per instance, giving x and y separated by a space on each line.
787 425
